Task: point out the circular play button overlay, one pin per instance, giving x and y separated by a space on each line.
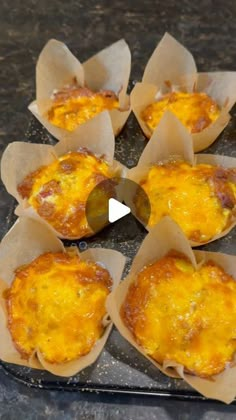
113 199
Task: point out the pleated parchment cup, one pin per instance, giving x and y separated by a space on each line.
172 68
24 242
23 158
171 140
166 236
107 70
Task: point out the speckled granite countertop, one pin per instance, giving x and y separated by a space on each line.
208 29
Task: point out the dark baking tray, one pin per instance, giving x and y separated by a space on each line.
120 368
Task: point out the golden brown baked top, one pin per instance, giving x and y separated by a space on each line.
59 191
200 198
195 110
177 313
56 304
74 105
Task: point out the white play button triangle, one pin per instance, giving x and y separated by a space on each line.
104 204
116 210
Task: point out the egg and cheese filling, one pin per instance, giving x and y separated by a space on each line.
200 198
56 305
184 315
73 106
195 110
59 191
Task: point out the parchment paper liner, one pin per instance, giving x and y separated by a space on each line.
23 158
25 241
164 237
172 140
107 70
172 67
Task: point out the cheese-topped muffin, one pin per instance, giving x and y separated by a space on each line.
195 110
200 198
59 191
188 316
74 105
56 305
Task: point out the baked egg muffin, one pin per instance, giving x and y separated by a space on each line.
195 110
74 105
200 198
181 314
56 305
58 192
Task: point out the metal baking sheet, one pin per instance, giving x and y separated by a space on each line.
120 368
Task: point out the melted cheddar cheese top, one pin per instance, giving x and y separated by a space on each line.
73 106
58 192
201 198
195 110
177 313
56 304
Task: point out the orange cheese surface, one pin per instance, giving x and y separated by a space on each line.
195 110
73 106
56 304
177 313
201 198
58 192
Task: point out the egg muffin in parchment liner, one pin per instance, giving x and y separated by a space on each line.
69 93
201 101
53 183
197 191
177 307
52 304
